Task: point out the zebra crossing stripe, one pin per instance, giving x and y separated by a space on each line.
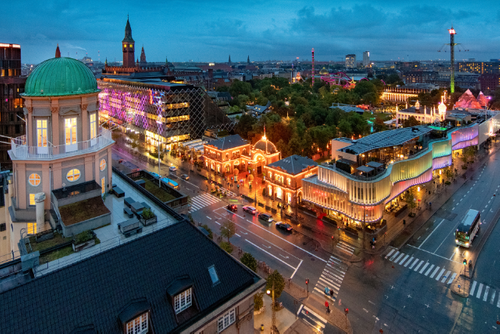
445 276
394 256
479 290
493 296
498 303
399 257
434 272
485 297
392 251
403 260
473 288
413 264
429 270
452 278
440 274
423 268
345 245
418 266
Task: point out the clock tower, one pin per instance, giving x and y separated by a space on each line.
128 47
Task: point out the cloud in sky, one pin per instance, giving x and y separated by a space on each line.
210 31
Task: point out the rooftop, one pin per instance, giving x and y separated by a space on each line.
293 164
228 142
385 139
98 292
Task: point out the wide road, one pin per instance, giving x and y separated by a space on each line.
409 290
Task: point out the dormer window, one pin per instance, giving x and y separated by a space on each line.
139 325
183 300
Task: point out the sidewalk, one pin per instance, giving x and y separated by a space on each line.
284 318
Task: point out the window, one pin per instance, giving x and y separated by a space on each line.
73 175
41 132
139 325
34 179
182 301
3 227
93 127
32 199
226 320
70 132
31 228
102 165
270 188
213 274
103 185
289 181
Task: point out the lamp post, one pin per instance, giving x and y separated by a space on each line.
159 166
273 321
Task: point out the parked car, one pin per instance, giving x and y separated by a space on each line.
155 175
232 207
185 177
266 217
284 226
172 169
250 209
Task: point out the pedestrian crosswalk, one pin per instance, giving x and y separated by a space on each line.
201 201
421 266
485 293
345 247
331 278
312 319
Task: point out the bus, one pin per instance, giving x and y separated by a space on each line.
468 229
170 182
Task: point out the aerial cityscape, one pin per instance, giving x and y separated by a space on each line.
284 167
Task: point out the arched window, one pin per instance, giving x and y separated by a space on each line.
34 179
102 165
73 175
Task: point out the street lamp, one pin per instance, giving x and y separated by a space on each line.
273 323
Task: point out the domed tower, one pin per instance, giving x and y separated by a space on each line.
264 152
128 45
64 145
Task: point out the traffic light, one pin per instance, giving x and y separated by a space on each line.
307 281
465 262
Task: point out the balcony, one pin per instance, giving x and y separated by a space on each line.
21 151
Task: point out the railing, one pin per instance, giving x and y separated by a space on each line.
20 149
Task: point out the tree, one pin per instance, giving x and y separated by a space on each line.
345 128
258 301
245 125
409 197
226 246
210 234
240 88
411 121
279 283
448 172
469 153
228 229
379 125
248 260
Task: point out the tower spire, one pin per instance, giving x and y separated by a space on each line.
58 52
128 46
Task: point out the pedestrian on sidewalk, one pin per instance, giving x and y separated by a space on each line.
327 307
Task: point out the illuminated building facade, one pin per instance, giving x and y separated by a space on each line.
422 114
11 103
233 155
369 173
366 59
284 178
402 94
489 82
350 61
479 67
163 113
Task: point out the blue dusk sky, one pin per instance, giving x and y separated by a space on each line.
210 31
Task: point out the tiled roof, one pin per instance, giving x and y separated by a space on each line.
228 142
294 164
95 291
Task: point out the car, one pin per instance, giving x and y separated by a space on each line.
172 169
266 217
250 209
185 177
232 207
155 175
284 226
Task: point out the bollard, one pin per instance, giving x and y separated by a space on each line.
262 327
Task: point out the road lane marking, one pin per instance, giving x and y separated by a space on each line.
316 315
371 302
474 288
217 222
493 297
429 270
296 269
434 272
431 233
403 260
498 303
236 234
399 257
407 263
300 309
485 297
394 256
413 264
479 290
209 218
277 236
277 258
249 221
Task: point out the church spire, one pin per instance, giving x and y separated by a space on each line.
229 62
128 47
143 56
248 59
58 52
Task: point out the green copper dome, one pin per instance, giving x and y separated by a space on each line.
60 76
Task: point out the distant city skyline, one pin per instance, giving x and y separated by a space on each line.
279 30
